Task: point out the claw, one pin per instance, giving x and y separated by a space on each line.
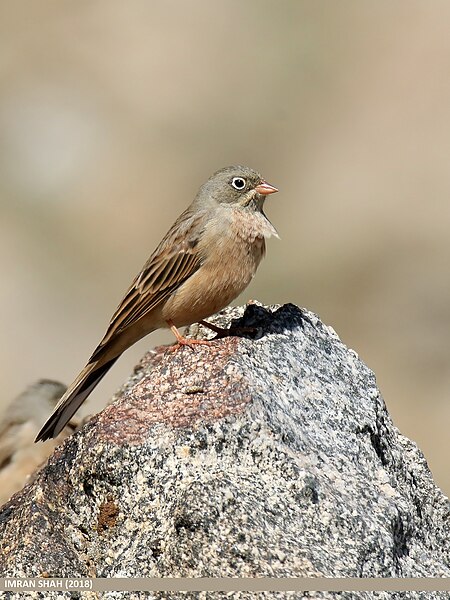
182 341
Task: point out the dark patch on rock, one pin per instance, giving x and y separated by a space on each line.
107 515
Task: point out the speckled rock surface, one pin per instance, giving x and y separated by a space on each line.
266 455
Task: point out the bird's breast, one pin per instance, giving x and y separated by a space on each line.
231 250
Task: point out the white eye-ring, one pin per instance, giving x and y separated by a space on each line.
238 183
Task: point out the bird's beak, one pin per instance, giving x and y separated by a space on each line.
265 188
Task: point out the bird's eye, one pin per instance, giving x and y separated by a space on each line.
238 183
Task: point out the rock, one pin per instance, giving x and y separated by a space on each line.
20 422
271 454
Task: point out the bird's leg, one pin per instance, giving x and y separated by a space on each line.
182 341
226 332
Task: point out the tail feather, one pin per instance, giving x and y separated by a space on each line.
80 389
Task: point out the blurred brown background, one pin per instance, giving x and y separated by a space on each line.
113 113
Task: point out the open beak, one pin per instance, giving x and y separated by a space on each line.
265 188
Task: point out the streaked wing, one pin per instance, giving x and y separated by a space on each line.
175 259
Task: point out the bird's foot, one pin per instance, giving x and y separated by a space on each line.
183 341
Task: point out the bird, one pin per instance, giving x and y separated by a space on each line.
19 422
206 259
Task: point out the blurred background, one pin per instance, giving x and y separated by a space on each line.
113 113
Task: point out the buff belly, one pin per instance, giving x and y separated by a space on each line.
214 285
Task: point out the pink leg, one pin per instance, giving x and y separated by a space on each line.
182 341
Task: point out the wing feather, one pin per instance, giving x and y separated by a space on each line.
175 260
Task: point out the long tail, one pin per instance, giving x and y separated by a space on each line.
77 393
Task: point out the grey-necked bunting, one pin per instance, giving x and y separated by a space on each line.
207 258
